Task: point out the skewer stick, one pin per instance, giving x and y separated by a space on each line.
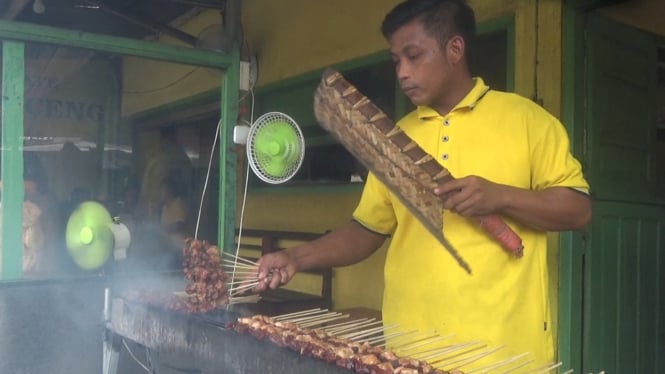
322 321
442 361
232 263
409 342
389 336
521 366
451 349
243 281
405 347
571 372
485 369
339 331
300 313
545 369
370 332
470 360
240 259
342 325
306 319
438 339
244 299
248 286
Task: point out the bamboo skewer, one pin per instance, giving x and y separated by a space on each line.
470 360
244 299
455 357
343 325
240 259
351 328
485 369
450 349
438 339
545 369
307 319
389 336
322 321
371 332
520 366
405 347
287 316
229 262
353 335
408 342
245 287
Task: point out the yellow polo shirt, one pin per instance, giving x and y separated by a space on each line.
506 139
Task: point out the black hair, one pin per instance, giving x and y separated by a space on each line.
441 19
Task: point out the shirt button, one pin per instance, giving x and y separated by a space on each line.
444 156
446 122
445 138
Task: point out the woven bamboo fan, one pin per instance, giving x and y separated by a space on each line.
394 158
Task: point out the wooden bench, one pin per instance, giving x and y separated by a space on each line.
290 298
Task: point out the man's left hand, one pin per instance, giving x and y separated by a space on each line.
471 196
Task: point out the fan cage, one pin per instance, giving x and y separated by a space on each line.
256 159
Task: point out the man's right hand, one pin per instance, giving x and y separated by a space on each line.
275 269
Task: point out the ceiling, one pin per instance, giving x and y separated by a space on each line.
136 19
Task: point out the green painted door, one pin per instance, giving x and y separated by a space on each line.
624 265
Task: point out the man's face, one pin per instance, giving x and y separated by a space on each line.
422 67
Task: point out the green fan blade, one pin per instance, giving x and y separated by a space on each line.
88 235
277 147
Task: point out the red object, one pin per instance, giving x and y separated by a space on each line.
499 230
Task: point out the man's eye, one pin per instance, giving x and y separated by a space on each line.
413 57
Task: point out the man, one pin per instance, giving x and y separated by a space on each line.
511 158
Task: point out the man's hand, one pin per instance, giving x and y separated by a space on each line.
275 269
471 196
550 209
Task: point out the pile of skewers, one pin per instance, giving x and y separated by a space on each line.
361 345
215 280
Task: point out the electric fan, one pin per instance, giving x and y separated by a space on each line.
275 147
92 236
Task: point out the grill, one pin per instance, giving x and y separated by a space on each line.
204 339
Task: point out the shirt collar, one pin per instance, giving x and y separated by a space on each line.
469 101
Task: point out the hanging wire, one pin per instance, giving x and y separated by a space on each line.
169 85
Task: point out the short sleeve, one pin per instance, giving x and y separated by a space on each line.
552 163
375 209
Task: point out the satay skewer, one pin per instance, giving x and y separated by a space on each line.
244 299
418 343
496 365
239 258
358 335
313 318
350 328
343 325
404 344
322 321
287 316
441 351
239 264
438 339
545 369
245 287
389 336
462 362
443 361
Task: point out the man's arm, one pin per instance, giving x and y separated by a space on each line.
552 209
346 245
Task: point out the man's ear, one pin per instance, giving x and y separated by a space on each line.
455 49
